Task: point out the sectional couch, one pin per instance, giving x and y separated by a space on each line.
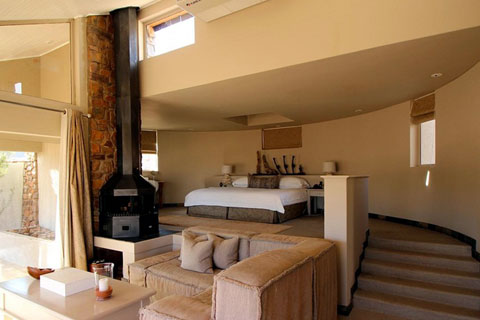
277 277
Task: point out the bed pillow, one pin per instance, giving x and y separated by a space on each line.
240 182
293 183
225 251
263 182
196 255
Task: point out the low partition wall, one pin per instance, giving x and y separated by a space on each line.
29 251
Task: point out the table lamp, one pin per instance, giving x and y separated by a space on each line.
329 167
226 171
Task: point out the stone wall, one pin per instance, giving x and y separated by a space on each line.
101 104
30 194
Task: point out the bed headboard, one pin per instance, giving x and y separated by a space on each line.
215 180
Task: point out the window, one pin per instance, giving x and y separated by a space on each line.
18 88
149 162
149 151
170 33
422 131
24 190
427 142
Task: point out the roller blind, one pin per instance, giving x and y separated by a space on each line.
423 109
149 142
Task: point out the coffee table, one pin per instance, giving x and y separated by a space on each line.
23 298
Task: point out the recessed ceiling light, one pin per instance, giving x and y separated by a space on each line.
358 110
436 75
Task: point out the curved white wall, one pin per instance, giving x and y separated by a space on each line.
375 144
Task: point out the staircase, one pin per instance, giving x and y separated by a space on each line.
416 279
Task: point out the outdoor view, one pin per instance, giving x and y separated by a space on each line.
19 195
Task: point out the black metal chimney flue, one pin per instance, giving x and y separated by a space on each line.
127 90
127 200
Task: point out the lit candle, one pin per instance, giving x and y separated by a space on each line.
103 284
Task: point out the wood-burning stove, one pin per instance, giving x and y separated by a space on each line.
127 199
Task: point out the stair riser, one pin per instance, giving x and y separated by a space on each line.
468 266
404 311
462 282
462 251
458 300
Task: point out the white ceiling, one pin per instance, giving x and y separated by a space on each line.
61 9
320 90
33 40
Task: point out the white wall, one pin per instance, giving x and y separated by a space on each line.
280 33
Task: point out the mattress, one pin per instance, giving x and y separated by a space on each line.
269 199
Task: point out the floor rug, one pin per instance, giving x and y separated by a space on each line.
187 221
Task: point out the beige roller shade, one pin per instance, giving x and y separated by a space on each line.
423 109
149 142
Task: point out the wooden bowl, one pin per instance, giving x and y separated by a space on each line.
37 272
103 295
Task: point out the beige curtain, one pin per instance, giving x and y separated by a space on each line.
78 236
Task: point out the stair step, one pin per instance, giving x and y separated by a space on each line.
460 263
448 277
465 298
418 246
410 308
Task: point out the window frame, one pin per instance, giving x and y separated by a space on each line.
159 18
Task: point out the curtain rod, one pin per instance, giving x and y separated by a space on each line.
88 115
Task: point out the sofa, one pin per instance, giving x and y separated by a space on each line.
276 277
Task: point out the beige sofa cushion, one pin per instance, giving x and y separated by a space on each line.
196 254
169 278
205 296
137 270
177 308
225 251
267 242
281 291
244 237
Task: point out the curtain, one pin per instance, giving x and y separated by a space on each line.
76 224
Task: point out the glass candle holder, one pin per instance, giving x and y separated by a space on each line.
102 270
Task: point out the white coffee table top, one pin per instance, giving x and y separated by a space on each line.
82 305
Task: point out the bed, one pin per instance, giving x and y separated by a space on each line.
247 204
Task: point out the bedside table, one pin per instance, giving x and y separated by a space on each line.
318 196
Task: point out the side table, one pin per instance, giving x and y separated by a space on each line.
318 196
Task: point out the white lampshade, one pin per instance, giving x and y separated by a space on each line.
329 167
226 169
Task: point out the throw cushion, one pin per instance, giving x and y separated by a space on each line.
196 255
198 238
264 182
225 251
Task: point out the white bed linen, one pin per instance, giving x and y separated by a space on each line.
270 199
